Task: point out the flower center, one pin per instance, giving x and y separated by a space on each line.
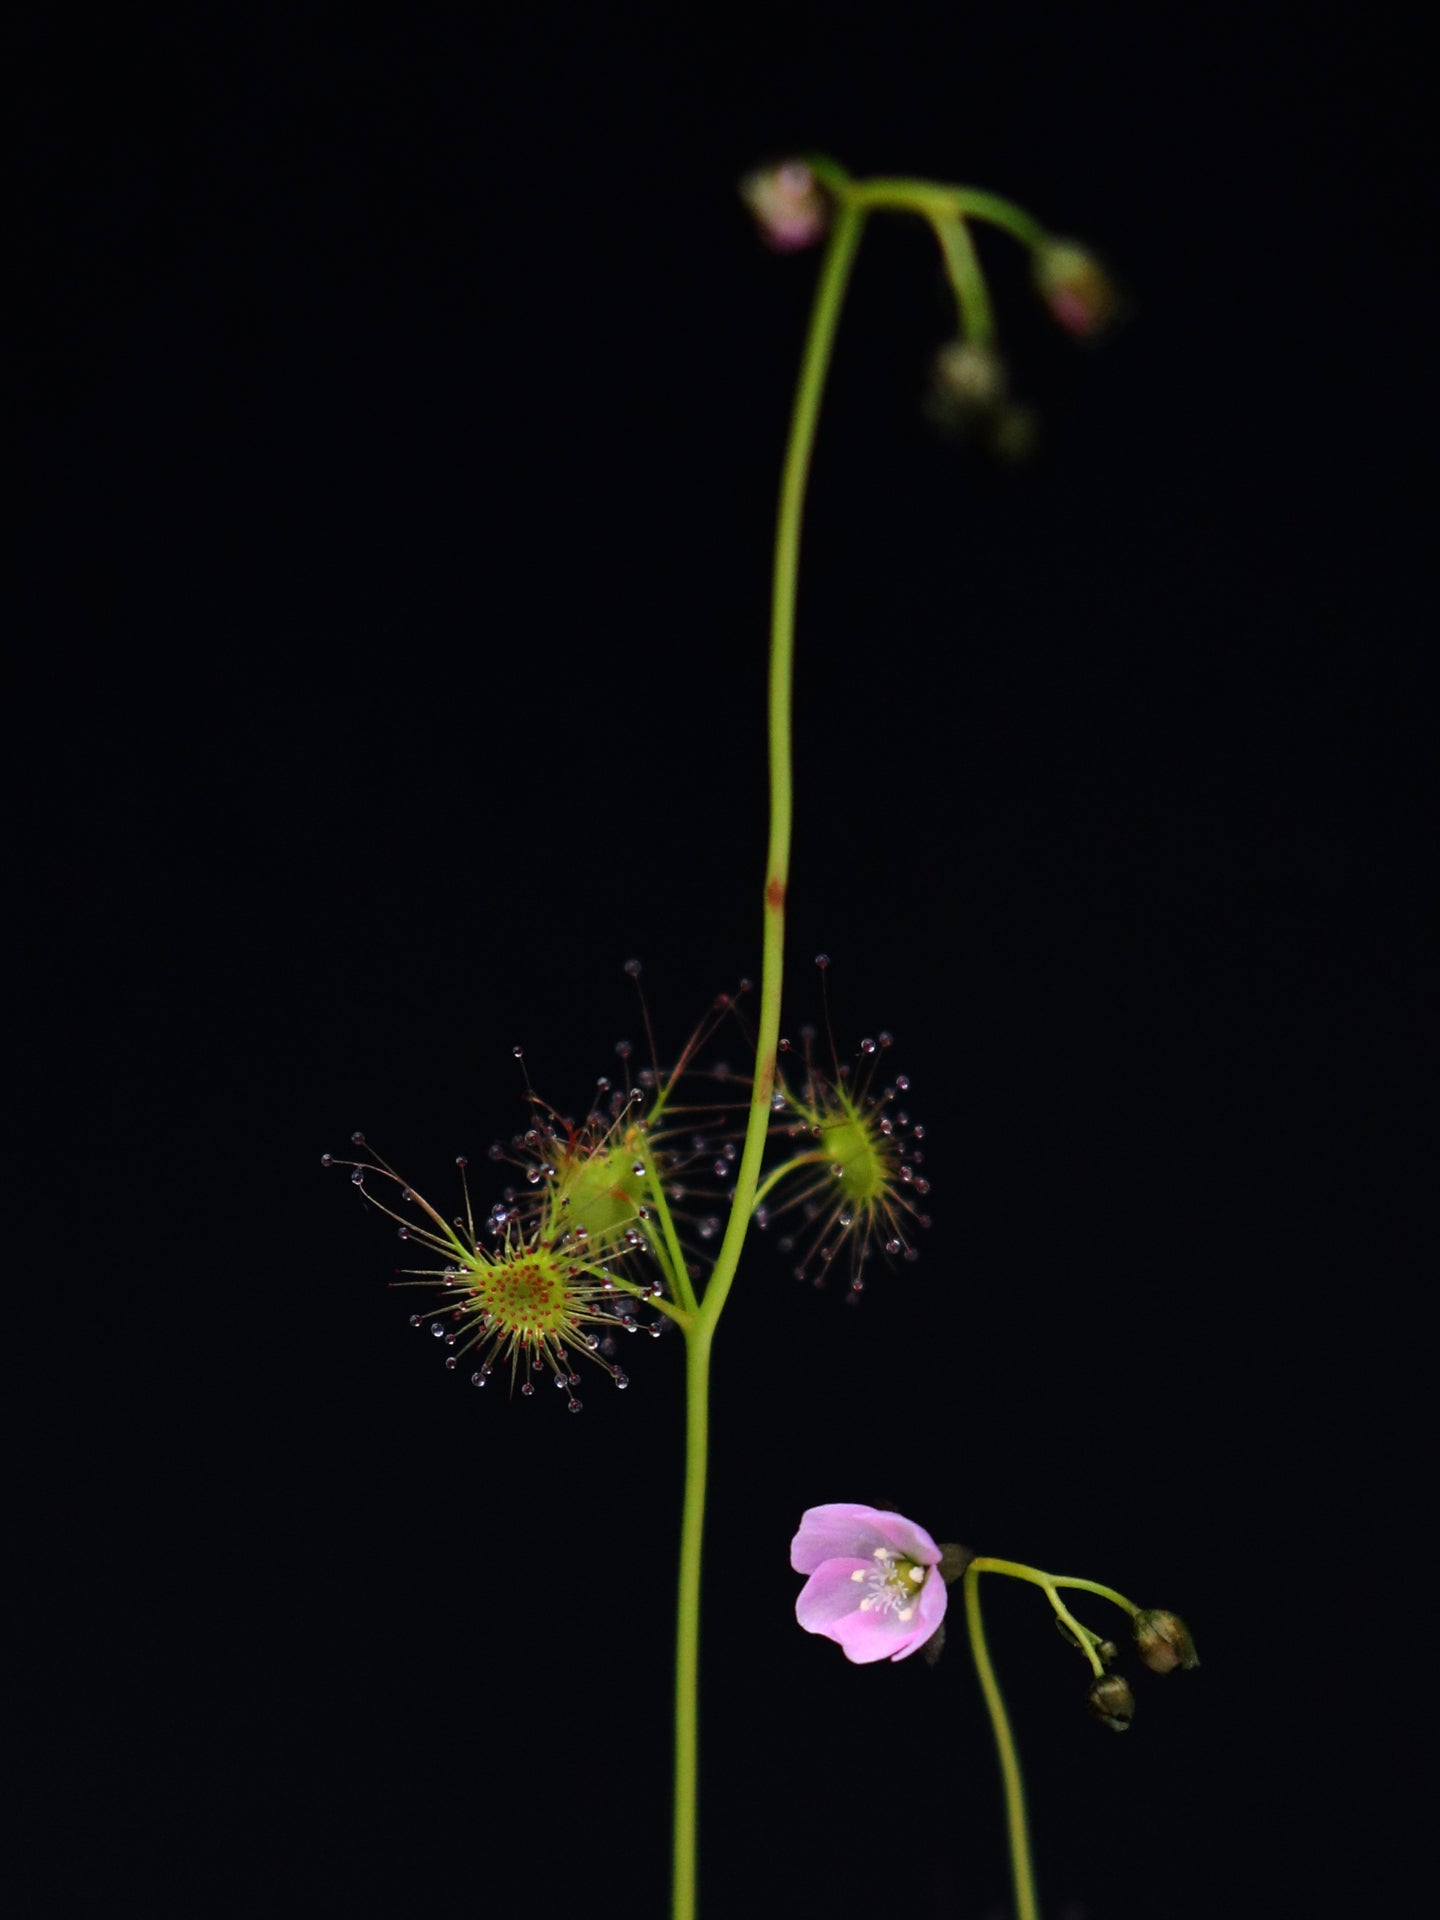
891 1584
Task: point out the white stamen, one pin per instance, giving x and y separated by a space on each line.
859 1574
906 1613
917 1574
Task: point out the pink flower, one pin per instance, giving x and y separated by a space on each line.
874 1585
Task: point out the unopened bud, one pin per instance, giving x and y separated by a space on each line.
789 205
1076 288
969 379
969 398
1163 1641
1111 1701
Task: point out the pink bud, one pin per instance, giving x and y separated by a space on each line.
1076 288
789 206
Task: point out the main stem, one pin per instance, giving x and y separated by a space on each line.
687 1618
845 232
1022 1871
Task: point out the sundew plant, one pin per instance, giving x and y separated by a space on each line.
640 1212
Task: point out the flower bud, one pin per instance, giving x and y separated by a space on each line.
1076 288
1111 1701
970 380
1163 1641
789 205
969 398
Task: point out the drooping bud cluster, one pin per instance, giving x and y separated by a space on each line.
796 202
1162 1640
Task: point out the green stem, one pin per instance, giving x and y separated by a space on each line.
849 220
673 1261
931 199
1017 1570
972 296
1094 1586
1050 1582
687 1619
1022 1870
784 1171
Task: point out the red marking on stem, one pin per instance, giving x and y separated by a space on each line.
775 894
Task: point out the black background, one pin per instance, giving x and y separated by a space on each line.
402 396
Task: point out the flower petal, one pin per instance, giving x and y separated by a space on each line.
845 1530
902 1536
830 1593
866 1637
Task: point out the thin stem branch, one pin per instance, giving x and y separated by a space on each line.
673 1260
929 198
1017 1570
972 296
784 1171
1094 1586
